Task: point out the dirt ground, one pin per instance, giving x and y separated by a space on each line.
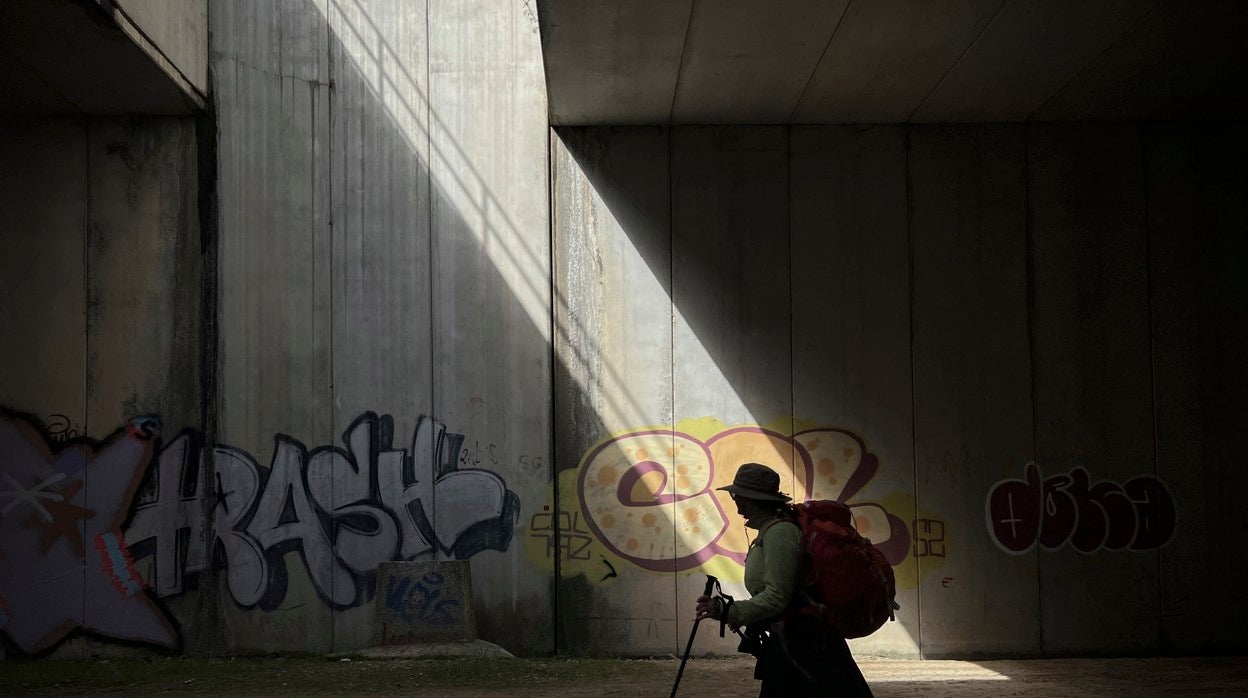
574 678
704 678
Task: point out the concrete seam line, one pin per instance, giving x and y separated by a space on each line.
671 324
1152 364
914 418
788 222
86 325
957 61
1030 272
680 69
1091 64
813 71
551 183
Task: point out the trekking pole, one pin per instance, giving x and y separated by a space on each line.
710 586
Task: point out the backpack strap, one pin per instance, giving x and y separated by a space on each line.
767 527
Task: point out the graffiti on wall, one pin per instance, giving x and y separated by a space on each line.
422 600
344 510
1071 509
168 519
65 562
348 510
565 537
61 428
649 497
929 538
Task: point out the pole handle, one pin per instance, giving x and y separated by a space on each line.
710 585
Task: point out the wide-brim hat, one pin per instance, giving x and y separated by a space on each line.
756 481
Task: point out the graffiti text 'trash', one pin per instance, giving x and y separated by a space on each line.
344 510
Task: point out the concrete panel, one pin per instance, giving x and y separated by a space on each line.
730 337
972 385
179 30
887 56
1183 60
851 341
144 276
1031 49
491 283
613 379
751 60
1093 393
381 280
271 64
601 55
43 192
1197 221
144 279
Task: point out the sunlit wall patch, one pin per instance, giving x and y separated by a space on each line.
648 497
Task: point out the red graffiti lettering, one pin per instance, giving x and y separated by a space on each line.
1070 508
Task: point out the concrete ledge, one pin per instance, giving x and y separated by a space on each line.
75 57
423 602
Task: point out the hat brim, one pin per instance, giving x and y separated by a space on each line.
747 493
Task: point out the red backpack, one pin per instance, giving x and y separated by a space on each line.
851 583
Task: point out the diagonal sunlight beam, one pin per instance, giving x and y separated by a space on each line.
523 269
599 236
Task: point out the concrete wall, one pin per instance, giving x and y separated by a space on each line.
1009 348
101 281
384 361
369 303
1013 350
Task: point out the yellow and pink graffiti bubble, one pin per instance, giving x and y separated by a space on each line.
650 496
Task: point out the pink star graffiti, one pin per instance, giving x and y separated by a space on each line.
65 564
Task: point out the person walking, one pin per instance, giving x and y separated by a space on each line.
799 656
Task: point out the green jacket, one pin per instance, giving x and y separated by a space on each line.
772 570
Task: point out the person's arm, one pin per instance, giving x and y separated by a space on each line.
782 553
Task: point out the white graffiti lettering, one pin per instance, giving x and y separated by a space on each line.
170 516
344 510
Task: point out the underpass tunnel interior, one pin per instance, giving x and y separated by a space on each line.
982 337
395 292
929 261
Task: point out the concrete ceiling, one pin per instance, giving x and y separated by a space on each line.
74 57
893 61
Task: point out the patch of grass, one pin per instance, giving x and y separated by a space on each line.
301 676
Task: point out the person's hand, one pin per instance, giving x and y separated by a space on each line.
709 607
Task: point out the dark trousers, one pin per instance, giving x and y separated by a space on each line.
806 659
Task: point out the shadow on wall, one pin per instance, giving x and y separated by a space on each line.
488 273
341 509
698 216
676 263
344 509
